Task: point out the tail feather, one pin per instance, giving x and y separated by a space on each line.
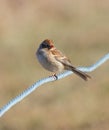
81 74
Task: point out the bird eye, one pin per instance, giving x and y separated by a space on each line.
45 46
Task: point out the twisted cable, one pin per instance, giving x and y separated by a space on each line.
32 88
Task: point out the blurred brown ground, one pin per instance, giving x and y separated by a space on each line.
81 30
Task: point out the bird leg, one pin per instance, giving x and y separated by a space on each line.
54 76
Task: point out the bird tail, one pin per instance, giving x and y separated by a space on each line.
80 73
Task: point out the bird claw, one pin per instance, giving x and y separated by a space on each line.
54 76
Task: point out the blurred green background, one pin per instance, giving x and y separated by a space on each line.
80 29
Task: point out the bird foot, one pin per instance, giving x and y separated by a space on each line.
54 76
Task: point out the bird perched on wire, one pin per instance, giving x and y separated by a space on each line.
55 61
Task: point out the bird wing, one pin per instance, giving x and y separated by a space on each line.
59 56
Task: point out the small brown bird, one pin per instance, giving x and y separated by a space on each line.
55 61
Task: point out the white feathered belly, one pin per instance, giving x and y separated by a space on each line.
50 63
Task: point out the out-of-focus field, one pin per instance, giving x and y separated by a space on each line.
81 30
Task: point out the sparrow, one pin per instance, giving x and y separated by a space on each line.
55 61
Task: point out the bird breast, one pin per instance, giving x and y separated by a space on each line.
49 62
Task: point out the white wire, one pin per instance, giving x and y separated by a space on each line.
29 90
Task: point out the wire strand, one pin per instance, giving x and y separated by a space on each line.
32 88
